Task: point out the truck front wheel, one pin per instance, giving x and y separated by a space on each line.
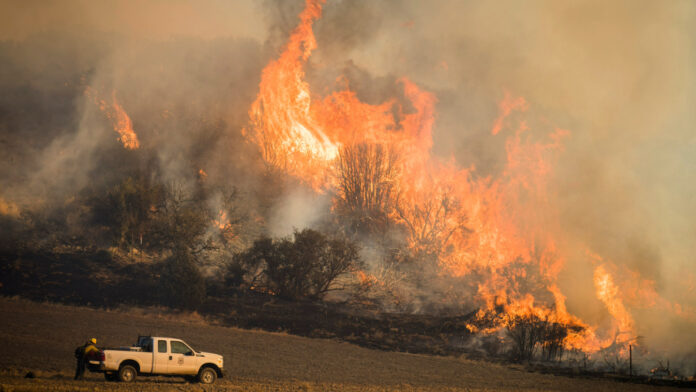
127 373
207 375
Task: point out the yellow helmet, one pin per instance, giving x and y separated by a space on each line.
93 341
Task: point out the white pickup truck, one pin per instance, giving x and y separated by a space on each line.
154 356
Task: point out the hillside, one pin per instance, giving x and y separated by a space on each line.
40 337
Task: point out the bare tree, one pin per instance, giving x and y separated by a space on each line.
367 175
181 219
431 221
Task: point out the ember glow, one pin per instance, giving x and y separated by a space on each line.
222 222
499 228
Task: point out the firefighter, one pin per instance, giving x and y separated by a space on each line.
82 353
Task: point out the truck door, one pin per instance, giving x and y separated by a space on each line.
161 357
183 359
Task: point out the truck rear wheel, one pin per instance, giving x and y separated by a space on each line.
207 375
127 373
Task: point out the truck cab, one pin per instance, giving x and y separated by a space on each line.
174 356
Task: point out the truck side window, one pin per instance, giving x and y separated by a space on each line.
161 346
180 348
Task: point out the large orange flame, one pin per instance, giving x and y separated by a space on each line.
501 228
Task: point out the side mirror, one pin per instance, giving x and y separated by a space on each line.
190 354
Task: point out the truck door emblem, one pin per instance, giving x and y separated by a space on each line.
181 361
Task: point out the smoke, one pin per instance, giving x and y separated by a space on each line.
297 209
184 90
618 75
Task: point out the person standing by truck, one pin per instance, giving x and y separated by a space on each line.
81 354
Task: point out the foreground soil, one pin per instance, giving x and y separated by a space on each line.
39 338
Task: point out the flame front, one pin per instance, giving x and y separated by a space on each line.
499 228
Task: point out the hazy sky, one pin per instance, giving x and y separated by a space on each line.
156 19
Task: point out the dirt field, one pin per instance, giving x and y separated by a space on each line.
41 337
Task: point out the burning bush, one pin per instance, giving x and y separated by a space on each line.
530 332
305 266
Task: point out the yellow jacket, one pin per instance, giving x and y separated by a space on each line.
90 348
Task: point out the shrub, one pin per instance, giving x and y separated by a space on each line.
552 341
140 212
530 331
181 284
526 333
126 210
248 269
180 220
305 266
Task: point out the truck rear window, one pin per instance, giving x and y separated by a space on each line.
161 346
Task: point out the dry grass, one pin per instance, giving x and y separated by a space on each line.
40 337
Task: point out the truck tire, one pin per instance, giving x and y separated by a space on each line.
207 375
127 373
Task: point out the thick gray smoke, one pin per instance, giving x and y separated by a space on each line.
618 75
